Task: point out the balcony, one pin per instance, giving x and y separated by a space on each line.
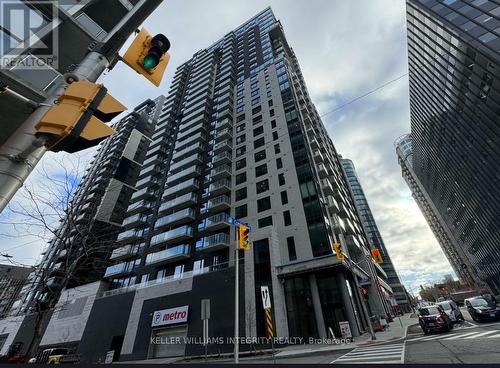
220 172
343 211
170 254
84 217
218 204
179 202
129 235
149 181
115 269
54 282
126 251
322 171
181 154
333 205
178 234
220 186
184 175
327 187
137 207
222 158
225 145
182 188
138 219
213 242
215 222
223 134
190 161
142 194
177 218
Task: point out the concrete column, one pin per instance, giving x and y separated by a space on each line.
318 311
349 306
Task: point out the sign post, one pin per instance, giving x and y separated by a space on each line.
205 316
266 304
345 330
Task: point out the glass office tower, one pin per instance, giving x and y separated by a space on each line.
453 53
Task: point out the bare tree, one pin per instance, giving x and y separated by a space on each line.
50 207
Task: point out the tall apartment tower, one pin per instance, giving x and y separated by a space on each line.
82 244
374 237
454 63
458 259
12 279
238 137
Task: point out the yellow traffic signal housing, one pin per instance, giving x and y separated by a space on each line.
244 241
337 247
377 256
148 56
76 121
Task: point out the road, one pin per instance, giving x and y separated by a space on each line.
468 342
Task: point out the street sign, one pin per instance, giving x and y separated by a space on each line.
205 309
266 297
109 357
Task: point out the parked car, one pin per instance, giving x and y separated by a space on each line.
481 310
433 318
452 310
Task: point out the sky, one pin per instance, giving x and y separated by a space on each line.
345 48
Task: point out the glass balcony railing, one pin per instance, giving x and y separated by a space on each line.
185 215
129 235
136 219
220 202
220 186
191 160
179 202
216 241
184 174
181 188
220 172
171 254
180 233
224 157
217 221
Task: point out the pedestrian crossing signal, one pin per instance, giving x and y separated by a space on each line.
337 247
377 256
244 240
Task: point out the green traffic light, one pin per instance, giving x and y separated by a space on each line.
150 62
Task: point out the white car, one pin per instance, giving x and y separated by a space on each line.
452 310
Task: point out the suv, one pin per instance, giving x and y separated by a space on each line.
433 318
452 310
482 310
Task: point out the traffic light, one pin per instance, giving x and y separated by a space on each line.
377 256
337 247
148 55
244 242
76 121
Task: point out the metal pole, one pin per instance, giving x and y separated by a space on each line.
365 310
236 304
23 150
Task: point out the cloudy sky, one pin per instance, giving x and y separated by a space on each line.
345 49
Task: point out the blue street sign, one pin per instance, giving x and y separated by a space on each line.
235 222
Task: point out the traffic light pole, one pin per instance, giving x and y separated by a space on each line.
23 150
236 302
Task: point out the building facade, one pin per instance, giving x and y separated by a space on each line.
453 51
375 239
237 138
12 279
80 250
458 259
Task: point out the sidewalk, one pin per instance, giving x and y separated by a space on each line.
397 330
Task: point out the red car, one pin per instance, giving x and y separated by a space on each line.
433 318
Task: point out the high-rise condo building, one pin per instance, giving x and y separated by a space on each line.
453 54
399 293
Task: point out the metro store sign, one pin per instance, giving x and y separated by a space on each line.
170 316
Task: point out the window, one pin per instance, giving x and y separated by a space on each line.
257 131
284 197
254 84
240 194
240 139
277 148
273 124
269 94
241 211
240 118
275 136
266 221
241 151
240 164
240 128
256 110
262 186
241 178
279 163
256 120
259 156
270 103
240 108
160 274
263 204
290 242
258 143
179 270
261 170
198 266
281 179
256 101
287 218
255 92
